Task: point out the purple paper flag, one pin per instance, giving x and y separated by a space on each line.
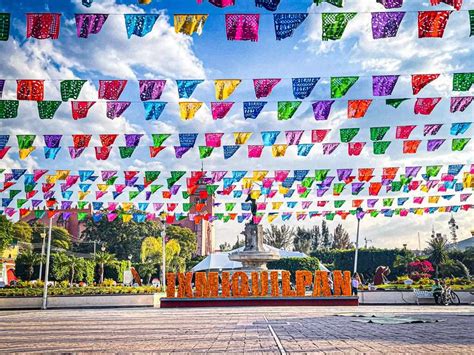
180 151
75 152
132 140
431 129
52 140
383 85
2 83
434 144
151 89
328 148
116 108
87 24
320 192
321 109
391 4
174 189
293 137
459 103
343 174
36 203
357 187
412 171
386 24
371 202
65 205
327 181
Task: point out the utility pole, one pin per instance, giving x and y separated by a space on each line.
43 240
50 204
359 215
163 255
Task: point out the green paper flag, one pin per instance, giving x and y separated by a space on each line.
13 193
39 214
126 152
159 138
205 152
4 26
340 85
377 133
133 194
154 188
338 3
471 20
229 206
286 109
387 202
81 204
330 216
374 213
211 189
459 144
29 187
381 147
308 182
339 203
320 175
175 176
47 109
338 187
348 134
462 81
20 202
187 206
396 186
185 194
219 216
151 176
25 141
70 89
226 219
81 216
433 170
334 24
9 108
394 102
305 194
111 181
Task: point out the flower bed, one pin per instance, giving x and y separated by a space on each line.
77 291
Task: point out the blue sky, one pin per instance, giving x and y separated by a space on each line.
165 55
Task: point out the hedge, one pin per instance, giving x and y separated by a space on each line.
294 264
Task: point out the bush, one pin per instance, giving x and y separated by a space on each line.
294 264
109 283
453 268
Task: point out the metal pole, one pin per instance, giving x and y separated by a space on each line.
43 237
357 247
163 255
46 273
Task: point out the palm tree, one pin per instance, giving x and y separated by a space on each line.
437 251
147 269
103 258
30 259
74 264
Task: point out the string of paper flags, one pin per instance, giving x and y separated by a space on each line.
239 27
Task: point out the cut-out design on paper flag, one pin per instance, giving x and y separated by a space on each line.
459 128
322 109
117 108
403 132
80 109
304 149
70 89
334 24
242 27
386 24
225 87
471 21
87 24
126 152
140 25
155 150
9 108
434 144
391 4
187 87
348 134
431 24
87 3
188 110
355 148
24 153
378 133
32 90
51 153
242 137
380 147
180 151
269 137
383 85
264 87
329 148
340 85
151 89
424 106
187 139
205 152
4 26
230 150
357 108
253 108
43 25
279 150
111 89
189 23
293 137
102 153
337 3
52 140
47 109
25 141
286 24
159 138
81 140
213 139
411 147
419 81
255 151
270 5
395 103
460 103
302 87
463 81
286 109
458 144
220 109
153 110
431 129
132 140
457 4
318 135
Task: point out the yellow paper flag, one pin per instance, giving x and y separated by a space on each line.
242 137
259 175
255 194
276 205
62 174
127 205
126 217
82 195
271 217
188 24
225 87
25 152
433 199
188 109
279 150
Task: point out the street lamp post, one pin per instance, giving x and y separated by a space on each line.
43 240
50 204
163 256
359 215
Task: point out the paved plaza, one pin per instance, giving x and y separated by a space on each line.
238 330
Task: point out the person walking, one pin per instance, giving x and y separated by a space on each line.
355 282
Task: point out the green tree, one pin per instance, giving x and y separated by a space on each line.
60 237
295 264
225 246
6 233
152 251
28 259
239 243
325 235
22 232
315 238
186 239
278 236
147 270
341 239
302 241
103 258
437 251
60 266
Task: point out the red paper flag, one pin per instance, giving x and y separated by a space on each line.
411 147
419 81
432 23
107 139
424 106
357 108
80 109
32 90
81 140
42 26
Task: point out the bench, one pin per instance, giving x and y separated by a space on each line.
421 294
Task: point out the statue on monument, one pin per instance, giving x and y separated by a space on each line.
253 207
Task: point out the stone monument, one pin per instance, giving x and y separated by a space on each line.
255 255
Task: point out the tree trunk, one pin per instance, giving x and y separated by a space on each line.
72 276
30 272
102 273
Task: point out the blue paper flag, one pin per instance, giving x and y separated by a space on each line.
187 87
302 87
153 110
140 25
253 108
286 24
